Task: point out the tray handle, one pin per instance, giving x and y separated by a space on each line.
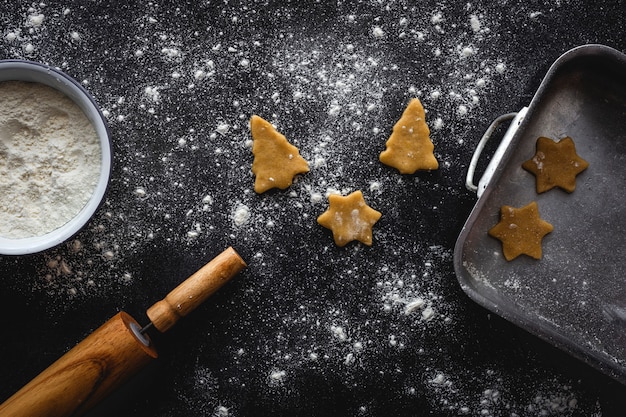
516 118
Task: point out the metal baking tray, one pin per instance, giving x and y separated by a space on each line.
575 296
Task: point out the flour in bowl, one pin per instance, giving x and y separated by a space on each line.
49 159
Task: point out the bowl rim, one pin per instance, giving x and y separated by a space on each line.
31 71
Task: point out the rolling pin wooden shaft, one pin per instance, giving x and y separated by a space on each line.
114 352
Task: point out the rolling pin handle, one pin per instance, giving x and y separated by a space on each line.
194 290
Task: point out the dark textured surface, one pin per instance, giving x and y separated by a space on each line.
308 328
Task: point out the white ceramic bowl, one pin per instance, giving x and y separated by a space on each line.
19 70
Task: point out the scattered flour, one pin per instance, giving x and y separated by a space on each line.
378 32
152 93
241 214
339 333
36 20
277 377
474 23
222 128
222 411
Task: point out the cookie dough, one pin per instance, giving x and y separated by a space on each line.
276 161
521 231
555 164
349 218
409 148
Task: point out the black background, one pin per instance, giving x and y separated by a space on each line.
298 284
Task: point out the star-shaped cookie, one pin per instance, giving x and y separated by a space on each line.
349 218
555 164
521 231
276 161
409 148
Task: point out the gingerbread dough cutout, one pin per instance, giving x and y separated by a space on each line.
349 218
409 148
521 231
276 161
555 164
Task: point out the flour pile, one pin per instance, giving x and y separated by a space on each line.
49 159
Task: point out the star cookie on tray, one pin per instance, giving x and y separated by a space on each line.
349 218
555 164
521 231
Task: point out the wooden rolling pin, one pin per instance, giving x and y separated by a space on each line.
116 351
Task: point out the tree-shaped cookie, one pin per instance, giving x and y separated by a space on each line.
409 148
349 218
521 231
555 164
276 161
